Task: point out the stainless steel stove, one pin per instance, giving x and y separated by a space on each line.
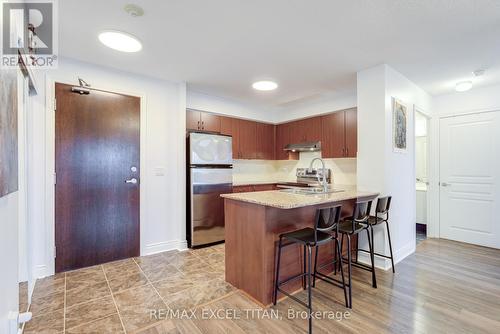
308 179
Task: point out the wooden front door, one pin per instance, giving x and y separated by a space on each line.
97 148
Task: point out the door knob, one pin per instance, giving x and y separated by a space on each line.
132 180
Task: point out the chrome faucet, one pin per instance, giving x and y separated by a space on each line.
324 183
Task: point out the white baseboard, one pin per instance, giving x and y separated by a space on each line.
40 271
164 246
385 264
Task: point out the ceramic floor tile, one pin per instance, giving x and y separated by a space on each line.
190 265
91 278
117 272
164 327
23 296
136 306
111 325
152 261
84 271
90 311
173 284
125 282
215 258
48 285
87 292
47 304
50 323
161 272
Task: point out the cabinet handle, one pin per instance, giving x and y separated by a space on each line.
347 152
198 125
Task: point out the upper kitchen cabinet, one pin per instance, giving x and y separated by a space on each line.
202 121
284 137
265 141
247 132
339 134
351 133
229 127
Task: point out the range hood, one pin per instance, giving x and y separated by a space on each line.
304 147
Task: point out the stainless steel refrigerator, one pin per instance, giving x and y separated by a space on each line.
210 174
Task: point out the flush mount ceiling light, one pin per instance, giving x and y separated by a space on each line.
463 86
265 85
120 41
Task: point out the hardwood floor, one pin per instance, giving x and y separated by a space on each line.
445 287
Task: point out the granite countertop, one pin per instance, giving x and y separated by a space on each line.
286 200
251 183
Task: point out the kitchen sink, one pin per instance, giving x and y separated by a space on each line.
311 191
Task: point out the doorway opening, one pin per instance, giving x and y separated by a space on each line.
421 173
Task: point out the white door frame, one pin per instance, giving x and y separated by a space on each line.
432 172
50 163
428 160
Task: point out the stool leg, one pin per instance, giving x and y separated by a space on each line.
341 248
309 287
349 267
304 270
276 284
335 254
390 245
315 266
372 254
337 250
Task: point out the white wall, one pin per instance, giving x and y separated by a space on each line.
474 100
162 146
324 105
379 167
200 101
9 300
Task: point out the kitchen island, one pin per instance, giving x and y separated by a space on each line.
253 223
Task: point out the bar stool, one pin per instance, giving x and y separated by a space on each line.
354 226
325 230
381 216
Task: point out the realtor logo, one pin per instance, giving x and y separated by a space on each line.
29 31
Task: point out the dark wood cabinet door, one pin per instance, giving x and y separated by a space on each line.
282 139
333 135
312 129
209 122
97 149
248 139
297 132
193 119
229 127
265 141
351 132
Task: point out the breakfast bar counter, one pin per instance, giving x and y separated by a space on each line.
253 223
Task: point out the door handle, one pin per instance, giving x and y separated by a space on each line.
132 181
444 184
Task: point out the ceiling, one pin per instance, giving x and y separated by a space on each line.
310 48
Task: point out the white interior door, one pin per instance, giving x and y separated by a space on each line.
469 178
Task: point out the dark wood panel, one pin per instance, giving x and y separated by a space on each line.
264 187
333 135
247 139
243 189
97 142
312 129
265 141
351 132
210 122
255 229
193 119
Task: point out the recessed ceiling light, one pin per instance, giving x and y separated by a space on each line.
463 86
265 85
120 41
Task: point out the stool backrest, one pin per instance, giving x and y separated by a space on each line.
327 219
383 205
361 212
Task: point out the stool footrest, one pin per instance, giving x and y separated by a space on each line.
294 298
376 254
329 279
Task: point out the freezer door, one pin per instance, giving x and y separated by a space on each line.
207 207
207 149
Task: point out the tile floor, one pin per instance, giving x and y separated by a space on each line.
118 297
